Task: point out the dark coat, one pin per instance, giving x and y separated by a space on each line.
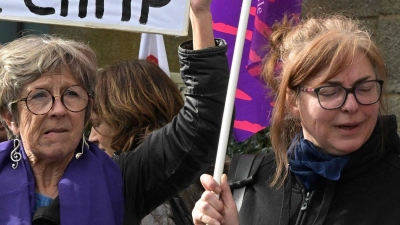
367 192
173 157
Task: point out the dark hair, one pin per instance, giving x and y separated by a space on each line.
135 98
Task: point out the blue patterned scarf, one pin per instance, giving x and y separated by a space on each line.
311 165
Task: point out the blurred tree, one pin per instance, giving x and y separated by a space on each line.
259 143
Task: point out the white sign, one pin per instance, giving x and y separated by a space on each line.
170 17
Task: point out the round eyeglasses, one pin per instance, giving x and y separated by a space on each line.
40 101
334 96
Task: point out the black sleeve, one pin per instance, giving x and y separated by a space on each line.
172 157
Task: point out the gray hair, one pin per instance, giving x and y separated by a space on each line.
24 60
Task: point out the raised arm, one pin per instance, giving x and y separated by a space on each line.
174 156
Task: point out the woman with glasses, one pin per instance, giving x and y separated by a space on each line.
336 152
50 174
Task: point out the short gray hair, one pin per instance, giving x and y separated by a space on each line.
24 60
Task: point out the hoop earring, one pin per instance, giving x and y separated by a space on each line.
15 154
84 143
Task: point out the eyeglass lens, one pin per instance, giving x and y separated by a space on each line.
40 101
331 97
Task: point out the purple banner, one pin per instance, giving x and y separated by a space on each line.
253 106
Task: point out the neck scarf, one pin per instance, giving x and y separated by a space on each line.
311 165
90 189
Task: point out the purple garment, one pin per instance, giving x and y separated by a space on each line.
90 189
252 104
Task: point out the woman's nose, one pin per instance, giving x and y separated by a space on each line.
350 104
93 136
58 107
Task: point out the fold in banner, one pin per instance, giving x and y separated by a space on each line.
253 105
152 48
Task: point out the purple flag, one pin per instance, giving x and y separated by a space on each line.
253 107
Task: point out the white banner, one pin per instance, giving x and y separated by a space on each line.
170 17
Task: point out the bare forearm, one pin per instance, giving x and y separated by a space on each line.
203 36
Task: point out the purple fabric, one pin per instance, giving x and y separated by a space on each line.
253 107
90 189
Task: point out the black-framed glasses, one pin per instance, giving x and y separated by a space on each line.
40 101
334 96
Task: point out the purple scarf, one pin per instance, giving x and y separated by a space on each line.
90 189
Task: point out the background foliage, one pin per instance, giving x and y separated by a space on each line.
259 143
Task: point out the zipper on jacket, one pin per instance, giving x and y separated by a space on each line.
306 201
304 207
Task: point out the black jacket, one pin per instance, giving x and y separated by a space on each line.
172 157
368 191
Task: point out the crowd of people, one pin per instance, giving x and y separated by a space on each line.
336 152
55 176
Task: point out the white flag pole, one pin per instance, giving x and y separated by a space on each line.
230 96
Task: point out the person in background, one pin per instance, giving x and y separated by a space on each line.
177 157
336 152
54 176
140 99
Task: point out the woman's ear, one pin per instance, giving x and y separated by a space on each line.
8 118
291 99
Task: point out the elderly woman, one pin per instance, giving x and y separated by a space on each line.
336 154
45 97
51 175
